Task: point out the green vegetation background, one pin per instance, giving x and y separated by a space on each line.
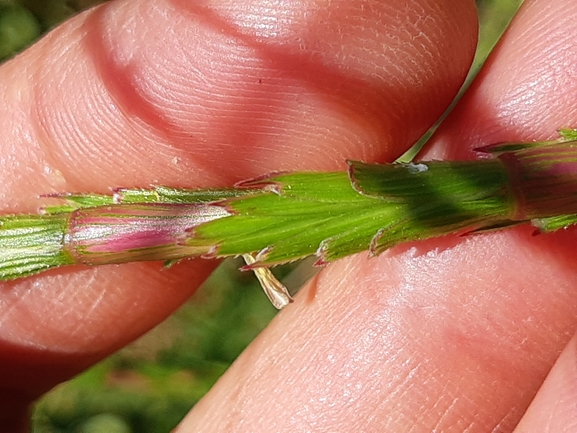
151 384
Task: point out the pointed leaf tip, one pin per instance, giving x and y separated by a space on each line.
265 183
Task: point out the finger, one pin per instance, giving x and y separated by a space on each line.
134 93
524 91
553 409
449 335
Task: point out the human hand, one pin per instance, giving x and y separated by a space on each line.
459 335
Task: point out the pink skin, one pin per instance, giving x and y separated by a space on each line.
446 335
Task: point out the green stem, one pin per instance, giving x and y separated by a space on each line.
281 218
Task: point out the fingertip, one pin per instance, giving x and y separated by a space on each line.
524 91
174 93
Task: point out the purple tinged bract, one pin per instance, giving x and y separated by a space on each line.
147 231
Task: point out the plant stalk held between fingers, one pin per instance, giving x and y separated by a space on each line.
279 218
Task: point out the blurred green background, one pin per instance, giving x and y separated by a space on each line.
151 384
